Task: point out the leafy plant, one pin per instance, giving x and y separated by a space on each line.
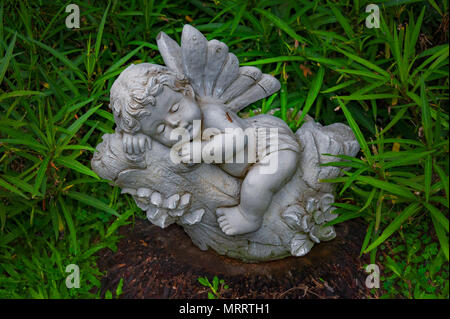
389 84
217 287
108 293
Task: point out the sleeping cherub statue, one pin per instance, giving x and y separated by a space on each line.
247 187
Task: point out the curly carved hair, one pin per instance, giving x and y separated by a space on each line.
137 87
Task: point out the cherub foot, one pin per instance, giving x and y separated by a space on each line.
232 221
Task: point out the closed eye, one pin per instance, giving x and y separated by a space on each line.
175 107
160 129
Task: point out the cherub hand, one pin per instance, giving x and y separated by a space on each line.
186 153
191 153
135 144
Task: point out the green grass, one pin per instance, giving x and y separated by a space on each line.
390 85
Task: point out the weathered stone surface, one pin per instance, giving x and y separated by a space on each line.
231 208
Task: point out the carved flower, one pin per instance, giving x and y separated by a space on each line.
309 223
301 245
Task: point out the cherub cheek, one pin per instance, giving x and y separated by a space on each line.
167 133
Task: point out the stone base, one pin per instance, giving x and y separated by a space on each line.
163 263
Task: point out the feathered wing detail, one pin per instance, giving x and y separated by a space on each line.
228 74
194 49
215 72
265 86
170 52
247 77
216 57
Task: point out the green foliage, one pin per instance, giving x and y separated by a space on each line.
415 267
217 287
108 293
389 84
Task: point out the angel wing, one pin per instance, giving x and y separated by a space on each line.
213 71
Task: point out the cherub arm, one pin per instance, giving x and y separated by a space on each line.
135 144
222 128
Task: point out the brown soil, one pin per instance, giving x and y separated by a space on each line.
163 263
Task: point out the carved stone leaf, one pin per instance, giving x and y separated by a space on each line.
292 219
319 217
152 212
323 233
163 220
172 201
185 200
306 224
142 204
192 218
159 217
312 234
292 216
329 215
301 245
311 205
325 202
176 213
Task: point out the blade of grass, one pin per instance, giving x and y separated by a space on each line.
76 166
394 226
98 40
11 188
70 225
367 238
18 94
438 216
61 57
364 62
426 115
355 128
282 25
274 60
7 58
444 178
312 94
40 176
342 21
91 201
428 175
391 188
443 239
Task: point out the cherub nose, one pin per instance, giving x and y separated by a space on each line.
177 121
174 120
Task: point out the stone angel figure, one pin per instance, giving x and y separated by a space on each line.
248 188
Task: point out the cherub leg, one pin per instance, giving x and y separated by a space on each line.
257 191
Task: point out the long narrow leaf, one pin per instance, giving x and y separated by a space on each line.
394 226
312 94
91 201
76 166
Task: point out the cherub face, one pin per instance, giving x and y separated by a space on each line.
171 110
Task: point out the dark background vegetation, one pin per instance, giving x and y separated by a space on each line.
390 85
